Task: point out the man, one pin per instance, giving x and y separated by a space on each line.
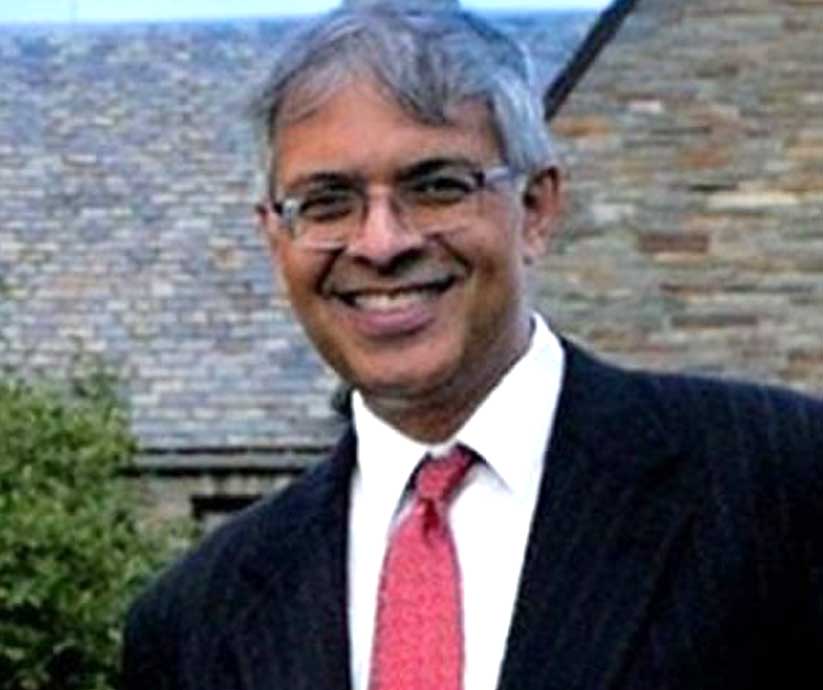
594 528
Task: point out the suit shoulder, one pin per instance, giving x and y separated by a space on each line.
706 419
764 410
747 435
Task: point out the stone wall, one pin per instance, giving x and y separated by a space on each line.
694 150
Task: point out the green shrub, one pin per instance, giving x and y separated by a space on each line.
72 554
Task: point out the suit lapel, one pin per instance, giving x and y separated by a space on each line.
296 634
611 508
610 513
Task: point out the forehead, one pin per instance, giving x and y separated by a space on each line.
360 130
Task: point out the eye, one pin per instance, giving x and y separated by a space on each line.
446 186
327 205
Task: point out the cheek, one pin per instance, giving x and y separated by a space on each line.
495 304
300 273
502 264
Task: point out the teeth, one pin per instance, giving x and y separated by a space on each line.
397 300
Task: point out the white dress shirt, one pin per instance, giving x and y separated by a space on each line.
490 516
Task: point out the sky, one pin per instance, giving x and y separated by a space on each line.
71 11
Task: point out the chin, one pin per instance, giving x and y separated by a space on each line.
403 382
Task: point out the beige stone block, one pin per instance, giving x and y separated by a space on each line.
752 201
647 107
806 152
803 183
582 126
608 213
662 242
705 157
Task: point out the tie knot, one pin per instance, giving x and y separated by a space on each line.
439 477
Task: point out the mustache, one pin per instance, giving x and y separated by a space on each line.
410 273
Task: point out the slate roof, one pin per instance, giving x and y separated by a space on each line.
127 234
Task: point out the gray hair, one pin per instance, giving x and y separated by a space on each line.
428 62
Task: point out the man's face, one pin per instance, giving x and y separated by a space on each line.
409 319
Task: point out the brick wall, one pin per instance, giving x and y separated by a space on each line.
694 149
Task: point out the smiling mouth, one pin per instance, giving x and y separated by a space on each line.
395 299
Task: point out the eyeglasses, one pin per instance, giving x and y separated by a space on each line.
433 197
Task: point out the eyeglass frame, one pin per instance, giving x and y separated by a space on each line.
288 207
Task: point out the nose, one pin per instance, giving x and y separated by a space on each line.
383 235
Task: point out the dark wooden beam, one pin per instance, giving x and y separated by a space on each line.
599 36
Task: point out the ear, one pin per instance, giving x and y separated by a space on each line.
542 201
267 223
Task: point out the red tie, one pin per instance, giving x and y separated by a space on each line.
418 642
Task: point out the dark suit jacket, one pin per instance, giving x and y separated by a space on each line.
677 543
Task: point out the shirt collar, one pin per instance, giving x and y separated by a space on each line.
510 429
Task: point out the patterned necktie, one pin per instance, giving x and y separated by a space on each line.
418 643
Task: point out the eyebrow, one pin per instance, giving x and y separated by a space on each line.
428 166
418 168
320 179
